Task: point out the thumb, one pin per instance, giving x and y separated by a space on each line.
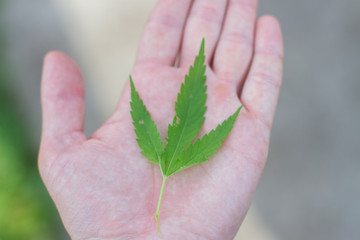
63 108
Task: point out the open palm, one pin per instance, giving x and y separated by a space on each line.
105 189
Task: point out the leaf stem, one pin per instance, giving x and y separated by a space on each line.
159 203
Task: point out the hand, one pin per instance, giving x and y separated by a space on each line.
105 189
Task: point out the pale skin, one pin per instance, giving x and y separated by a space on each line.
104 188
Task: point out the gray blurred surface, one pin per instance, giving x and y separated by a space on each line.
33 28
310 187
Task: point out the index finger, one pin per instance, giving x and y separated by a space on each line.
161 38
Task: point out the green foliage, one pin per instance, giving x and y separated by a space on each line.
26 210
179 152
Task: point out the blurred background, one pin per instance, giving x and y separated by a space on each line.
310 188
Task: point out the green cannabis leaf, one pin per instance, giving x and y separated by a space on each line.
180 151
148 137
190 109
203 148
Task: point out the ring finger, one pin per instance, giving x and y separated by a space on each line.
235 48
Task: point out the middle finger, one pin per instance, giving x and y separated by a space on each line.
205 21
